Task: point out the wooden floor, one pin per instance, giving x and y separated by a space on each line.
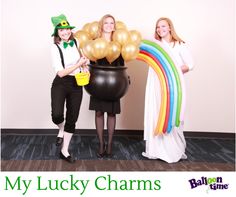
112 165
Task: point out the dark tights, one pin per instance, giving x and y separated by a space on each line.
111 122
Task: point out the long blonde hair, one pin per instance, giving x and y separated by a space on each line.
101 22
174 36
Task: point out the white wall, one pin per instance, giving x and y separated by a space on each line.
208 26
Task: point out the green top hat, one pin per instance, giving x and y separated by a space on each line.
60 22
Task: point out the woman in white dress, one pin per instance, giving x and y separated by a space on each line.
169 147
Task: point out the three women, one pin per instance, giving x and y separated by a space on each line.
67 60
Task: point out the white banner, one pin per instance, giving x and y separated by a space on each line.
110 184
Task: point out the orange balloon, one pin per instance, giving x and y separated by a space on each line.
93 29
82 37
121 36
135 37
129 51
87 50
120 25
100 48
114 49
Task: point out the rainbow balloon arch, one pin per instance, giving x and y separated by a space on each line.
172 87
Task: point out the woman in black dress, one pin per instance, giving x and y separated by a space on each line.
106 29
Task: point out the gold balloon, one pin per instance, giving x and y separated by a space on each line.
129 51
100 48
87 50
114 49
82 37
93 29
120 25
135 37
122 36
86 28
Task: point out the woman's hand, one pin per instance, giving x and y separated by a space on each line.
184 69
82 61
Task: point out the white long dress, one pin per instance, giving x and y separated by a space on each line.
167 147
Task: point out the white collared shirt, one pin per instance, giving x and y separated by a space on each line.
70 55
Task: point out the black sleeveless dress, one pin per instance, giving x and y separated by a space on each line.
112 107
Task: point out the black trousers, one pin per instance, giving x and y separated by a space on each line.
65 91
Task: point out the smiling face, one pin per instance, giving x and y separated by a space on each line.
108 25
163 29
64 34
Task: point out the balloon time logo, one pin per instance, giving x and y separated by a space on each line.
215 183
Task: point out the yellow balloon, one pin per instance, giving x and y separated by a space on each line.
120 25
121 36
129 51
86 28
100 48
93 29
82 37
135 37
114 49
87 50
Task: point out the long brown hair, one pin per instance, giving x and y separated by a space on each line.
174 36
101 22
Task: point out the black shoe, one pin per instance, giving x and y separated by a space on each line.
110 155
59 141
68 158
109 152
103 154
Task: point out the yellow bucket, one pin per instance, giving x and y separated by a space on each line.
82 78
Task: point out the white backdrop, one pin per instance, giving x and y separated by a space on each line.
208 26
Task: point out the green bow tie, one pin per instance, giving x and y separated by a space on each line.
65 44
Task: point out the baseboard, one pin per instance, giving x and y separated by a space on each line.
55 131
201 134
188 134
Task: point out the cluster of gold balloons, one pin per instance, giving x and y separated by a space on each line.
123 42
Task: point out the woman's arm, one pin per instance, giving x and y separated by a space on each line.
67 71
57 63
186 58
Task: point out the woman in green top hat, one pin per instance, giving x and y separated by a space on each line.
66 61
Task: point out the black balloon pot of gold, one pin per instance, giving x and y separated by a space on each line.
107 82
